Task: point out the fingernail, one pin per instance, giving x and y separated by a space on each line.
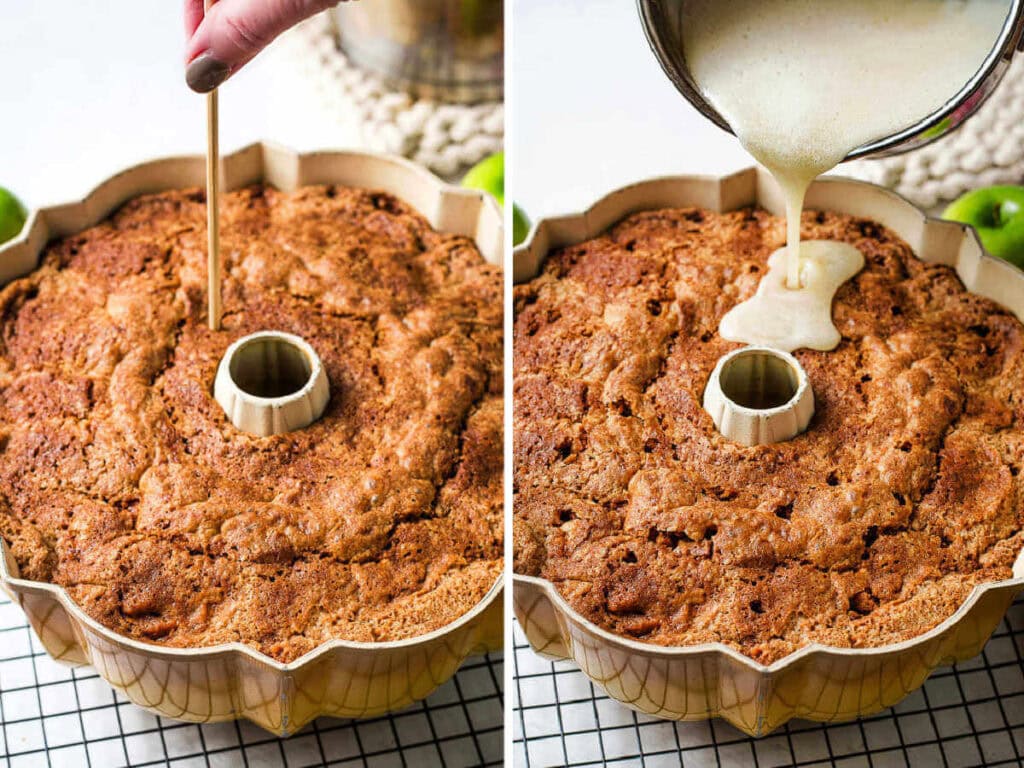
204 73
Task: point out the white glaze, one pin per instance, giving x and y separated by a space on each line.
781 318
802 83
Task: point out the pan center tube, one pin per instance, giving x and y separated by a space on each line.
271 382
758 396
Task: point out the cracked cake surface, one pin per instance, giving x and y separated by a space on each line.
122 480
871 527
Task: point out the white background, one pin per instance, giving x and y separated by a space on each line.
88 87
91 86
591 110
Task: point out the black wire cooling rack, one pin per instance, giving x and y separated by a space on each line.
52 715
968 715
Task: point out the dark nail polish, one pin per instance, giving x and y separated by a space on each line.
204 73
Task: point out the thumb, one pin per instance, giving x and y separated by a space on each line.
233 31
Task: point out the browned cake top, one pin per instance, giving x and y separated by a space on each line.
871 527
122 480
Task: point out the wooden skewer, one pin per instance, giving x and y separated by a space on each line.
212 206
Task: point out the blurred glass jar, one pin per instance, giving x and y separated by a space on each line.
444 50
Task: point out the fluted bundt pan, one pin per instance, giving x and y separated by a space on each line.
339 678
712 679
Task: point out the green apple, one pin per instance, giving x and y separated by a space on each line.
12 215
489 175
520 225
997 213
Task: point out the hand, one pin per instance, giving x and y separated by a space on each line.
223 40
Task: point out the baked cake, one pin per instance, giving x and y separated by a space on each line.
122 480
871 527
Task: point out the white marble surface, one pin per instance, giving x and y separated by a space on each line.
591 110
90 86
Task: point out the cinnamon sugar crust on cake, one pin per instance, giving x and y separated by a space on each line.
870 528
122 480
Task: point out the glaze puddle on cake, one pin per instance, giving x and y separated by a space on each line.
802 83
779 317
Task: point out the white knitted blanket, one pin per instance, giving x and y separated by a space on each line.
988 149
447 138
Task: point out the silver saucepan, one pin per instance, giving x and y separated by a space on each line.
662 25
